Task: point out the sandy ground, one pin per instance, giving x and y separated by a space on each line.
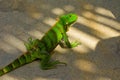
97 28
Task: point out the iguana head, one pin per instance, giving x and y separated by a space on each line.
68 19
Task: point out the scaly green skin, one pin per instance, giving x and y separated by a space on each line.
41 49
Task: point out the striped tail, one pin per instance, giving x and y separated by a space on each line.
22 60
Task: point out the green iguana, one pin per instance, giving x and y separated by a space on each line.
41 49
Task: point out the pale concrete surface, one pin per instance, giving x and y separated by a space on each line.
97 28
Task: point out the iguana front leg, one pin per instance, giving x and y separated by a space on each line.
65 43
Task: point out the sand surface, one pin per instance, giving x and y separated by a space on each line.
97 28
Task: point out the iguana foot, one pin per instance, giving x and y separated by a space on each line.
51 65
74 44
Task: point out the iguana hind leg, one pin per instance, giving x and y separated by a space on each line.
46 63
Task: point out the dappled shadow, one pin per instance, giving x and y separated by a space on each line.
97 58
106 4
